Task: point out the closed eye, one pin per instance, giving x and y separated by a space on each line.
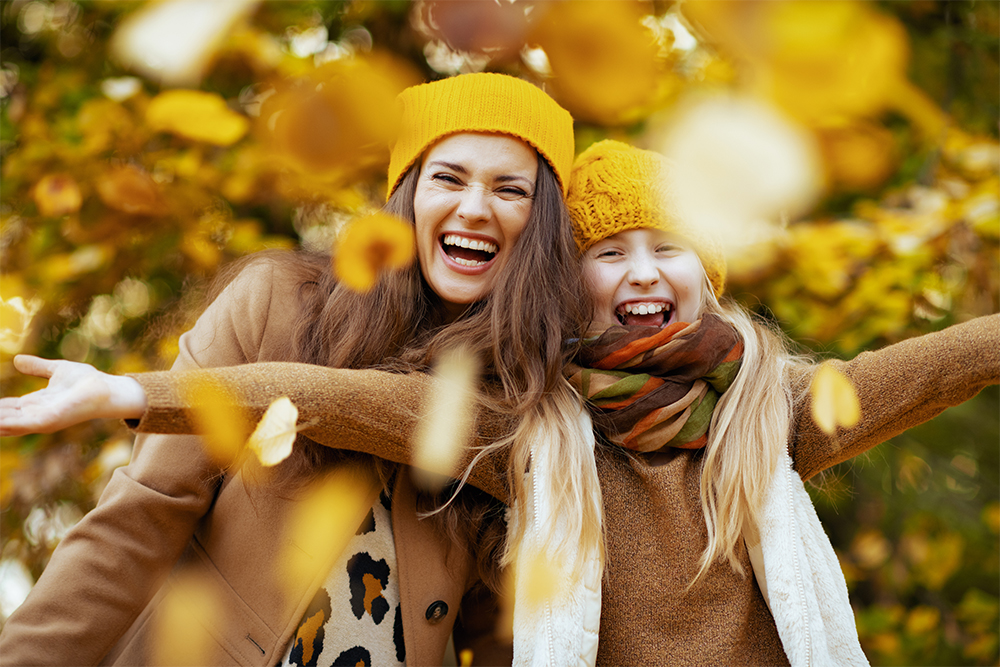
510 192
446 178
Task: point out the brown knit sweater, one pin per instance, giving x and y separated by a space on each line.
655 526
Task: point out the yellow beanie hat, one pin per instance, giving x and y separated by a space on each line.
615 187
482 102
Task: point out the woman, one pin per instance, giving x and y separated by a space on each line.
481 157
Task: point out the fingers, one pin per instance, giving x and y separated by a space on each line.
31 365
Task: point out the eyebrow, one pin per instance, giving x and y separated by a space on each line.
504 178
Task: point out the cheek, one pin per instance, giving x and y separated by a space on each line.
515 220
600 283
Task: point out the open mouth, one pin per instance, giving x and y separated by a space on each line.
468 252
644 313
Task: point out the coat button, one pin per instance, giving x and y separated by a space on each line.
436 611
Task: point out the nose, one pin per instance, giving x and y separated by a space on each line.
474 205
642 270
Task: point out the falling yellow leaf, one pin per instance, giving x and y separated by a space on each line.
604 62
217 419
15 322
130 190
834 400
739 166
338 119
446 424
191 605
196 115
173 41
370 245
324 521
274 436
57 194
543 579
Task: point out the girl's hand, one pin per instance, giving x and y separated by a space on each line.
75 393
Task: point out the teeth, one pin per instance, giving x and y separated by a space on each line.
644 308
473 244
467 262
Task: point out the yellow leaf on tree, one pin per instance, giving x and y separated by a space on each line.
196 115
446 424
274 436
370 245
217 419
324 521
834 400
130 190
15 322
57 194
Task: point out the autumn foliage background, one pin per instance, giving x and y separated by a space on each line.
142 151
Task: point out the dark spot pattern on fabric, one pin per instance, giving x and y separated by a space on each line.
368 578
353 657
367 525
307 643
397 635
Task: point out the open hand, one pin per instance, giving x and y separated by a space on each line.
76 393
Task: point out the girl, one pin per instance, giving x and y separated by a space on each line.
481 157
710 412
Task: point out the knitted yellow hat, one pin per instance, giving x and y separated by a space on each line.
615 187
482 102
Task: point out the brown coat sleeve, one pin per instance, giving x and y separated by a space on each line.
108 567
898 387
374 412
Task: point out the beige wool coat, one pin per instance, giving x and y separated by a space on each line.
171 513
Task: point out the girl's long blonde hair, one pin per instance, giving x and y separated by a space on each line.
750 426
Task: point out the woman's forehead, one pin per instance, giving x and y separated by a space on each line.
499 153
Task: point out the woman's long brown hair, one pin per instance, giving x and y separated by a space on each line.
519 332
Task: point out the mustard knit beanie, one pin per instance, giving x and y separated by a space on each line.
482 102
615 187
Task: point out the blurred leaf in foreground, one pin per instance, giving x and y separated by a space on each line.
370 245
834 401
274 436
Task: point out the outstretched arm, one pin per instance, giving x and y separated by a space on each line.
374 412
900 386
75 393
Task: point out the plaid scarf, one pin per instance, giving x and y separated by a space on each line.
651 388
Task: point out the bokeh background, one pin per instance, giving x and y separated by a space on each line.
854 145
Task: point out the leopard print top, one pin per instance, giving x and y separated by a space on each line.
354 618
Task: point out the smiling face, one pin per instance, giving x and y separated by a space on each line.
473 198
644 277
